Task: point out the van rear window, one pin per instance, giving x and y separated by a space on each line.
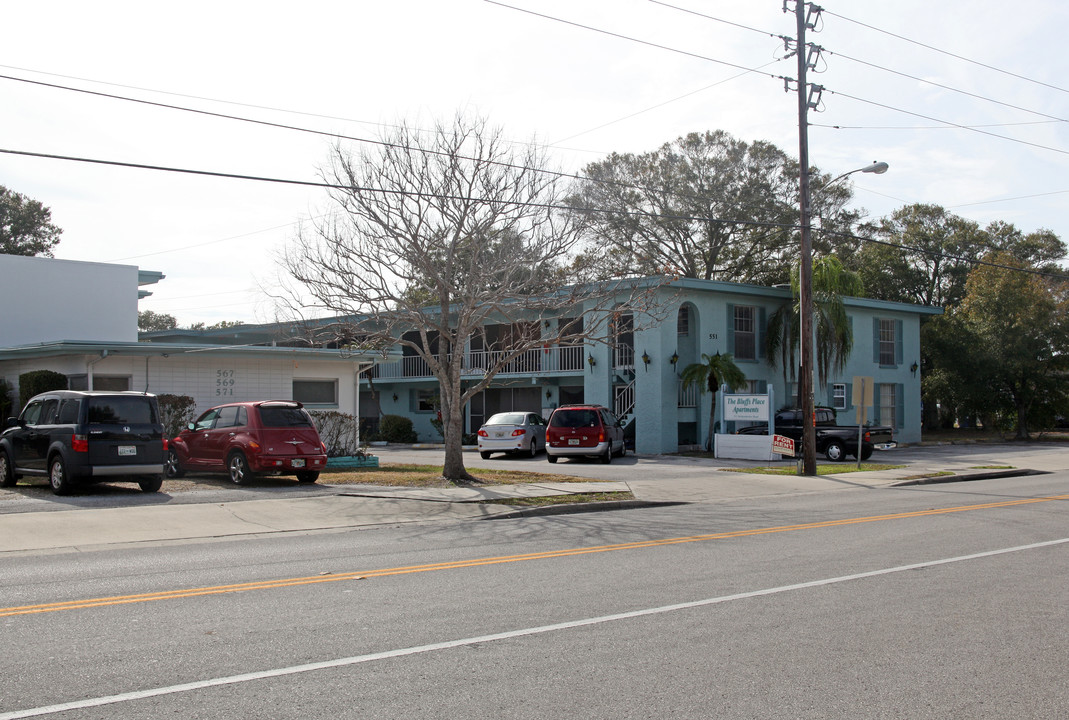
274 416
574 418
121 411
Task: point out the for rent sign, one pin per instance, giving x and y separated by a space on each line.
744 408
783 445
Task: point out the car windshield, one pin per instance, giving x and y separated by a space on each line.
575 418
284 416
507 419
121 411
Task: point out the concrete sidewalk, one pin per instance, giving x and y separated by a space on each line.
361 506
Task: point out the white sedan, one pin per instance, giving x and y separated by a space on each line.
512 432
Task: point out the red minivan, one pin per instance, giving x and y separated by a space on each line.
244 439
584 430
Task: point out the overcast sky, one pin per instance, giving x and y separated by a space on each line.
351 67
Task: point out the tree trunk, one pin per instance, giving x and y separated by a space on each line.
453 468
1022 421
712 422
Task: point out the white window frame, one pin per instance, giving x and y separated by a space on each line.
887 343
838 396
747 317
888 405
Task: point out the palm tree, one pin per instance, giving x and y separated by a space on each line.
834 336
708 375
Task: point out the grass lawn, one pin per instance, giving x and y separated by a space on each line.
825 469
400 475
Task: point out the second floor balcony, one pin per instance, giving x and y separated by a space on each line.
548 360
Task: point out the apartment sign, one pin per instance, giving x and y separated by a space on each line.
745 408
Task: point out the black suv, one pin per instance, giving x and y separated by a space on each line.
75 438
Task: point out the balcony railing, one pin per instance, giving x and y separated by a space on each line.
688 395
537 361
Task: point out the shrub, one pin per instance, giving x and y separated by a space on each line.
336 431
176 411
39 381
5 399
396 429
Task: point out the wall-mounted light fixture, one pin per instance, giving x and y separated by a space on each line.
549 394
591 362
913 369
674 359
646 360
395 397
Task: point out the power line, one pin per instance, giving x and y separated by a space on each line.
946 122
385 191
545 206
945 52
662 104
945 87
383 143
635 40
946 256
282 126
869 64
719 20
932 127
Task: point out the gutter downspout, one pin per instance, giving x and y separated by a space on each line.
360 368
89 368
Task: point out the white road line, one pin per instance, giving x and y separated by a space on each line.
358 659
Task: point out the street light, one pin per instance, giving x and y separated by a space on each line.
805 297
876 168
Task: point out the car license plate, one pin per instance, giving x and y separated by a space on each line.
499 434
127 450
299 462
573 441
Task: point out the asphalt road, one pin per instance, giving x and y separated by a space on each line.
938 601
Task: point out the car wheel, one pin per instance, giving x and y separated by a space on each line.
866 453
607 457
551 458
834 451
238 468
534 447
484 455
151 484
57 476
307 477
623 449
7 473
173 468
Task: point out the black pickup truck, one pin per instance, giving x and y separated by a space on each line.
834 441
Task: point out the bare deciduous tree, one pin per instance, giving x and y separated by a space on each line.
437 235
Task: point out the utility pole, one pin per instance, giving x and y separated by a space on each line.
805 271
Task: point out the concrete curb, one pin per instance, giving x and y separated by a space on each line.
575 508
983 475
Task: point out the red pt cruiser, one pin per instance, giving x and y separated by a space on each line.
244 439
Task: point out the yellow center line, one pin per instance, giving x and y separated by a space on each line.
476 562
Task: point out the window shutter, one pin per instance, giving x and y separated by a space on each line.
761 322
900 406
762 387
898 342
731 330
876 341
849 395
